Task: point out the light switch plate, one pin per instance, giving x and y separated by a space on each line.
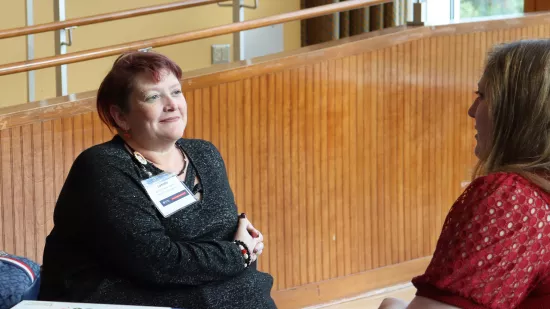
220 53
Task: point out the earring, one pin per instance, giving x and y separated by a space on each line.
126 134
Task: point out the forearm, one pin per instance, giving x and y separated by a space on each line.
425 303
165 262
417 303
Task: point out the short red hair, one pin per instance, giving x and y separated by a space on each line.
117 86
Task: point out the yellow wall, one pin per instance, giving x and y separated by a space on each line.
87 75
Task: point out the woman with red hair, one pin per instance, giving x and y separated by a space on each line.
149 218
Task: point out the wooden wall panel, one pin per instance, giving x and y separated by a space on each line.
347 160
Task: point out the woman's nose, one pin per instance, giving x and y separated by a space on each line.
473 108
169 104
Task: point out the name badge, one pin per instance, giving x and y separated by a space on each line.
168 193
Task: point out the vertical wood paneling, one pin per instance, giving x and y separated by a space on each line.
392 63
78 135
8 218
324 179
68 144
238 138
97 130
301 172
49 179
308 133
264 179
452 112
58 173
223 144
195 115
231 143
38 199
87 130
337 115
345 237
215 119
407 167
27 189
385 135
318 181
248 143
433 132
287 153
415 196
278 173
18 205
363 239
442 112
271 190
375 78
400 133
370 187
205 109
345 164
331 172
354 224
189 98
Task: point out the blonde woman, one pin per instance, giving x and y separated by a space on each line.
494 248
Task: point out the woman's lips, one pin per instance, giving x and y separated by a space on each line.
171 119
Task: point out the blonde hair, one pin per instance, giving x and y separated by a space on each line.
517 89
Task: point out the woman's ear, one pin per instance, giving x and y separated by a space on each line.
119 117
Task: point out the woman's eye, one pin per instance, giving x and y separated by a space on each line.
176 92
152 98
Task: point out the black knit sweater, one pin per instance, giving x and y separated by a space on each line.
111 245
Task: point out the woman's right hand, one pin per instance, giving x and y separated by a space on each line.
245 236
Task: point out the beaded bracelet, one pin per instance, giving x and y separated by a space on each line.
245 252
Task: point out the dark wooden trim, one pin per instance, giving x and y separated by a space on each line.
529 6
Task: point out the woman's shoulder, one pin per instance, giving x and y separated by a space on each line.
502 194
199 148
197 143
105 154
204 154
504 182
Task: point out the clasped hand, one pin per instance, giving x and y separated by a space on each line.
250 236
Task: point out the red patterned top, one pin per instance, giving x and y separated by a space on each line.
494 248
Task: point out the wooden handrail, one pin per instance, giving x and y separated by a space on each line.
9 33
96 53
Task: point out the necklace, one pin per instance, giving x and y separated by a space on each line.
141 159
184 160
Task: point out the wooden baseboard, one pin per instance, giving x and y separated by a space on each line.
349 286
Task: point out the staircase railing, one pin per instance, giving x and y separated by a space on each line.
96 53
95 19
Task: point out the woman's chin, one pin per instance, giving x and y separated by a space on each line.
476 151
177 134
174 132
171 135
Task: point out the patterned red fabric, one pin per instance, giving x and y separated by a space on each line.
494 248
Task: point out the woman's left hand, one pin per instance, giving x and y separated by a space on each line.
260 238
